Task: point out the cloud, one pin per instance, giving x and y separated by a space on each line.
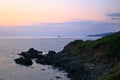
114 16
65 29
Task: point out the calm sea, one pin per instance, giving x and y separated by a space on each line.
9 47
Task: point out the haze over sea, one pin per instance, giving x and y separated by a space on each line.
10 47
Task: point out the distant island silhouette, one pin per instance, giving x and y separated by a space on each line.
101 35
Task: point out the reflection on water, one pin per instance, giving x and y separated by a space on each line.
9 47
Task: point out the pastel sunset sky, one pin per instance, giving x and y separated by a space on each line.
68 18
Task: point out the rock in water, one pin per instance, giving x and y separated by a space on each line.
26 57
23 61
31 53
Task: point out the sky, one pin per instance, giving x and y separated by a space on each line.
67 18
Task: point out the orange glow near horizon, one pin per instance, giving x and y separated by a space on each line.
29 12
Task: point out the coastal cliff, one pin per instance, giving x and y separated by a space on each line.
83 60
99 57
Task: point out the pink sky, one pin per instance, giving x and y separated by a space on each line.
27 12
67 18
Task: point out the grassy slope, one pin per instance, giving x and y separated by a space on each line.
108 46
112 42
113 74
104 51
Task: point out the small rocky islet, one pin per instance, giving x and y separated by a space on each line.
83 60
27 57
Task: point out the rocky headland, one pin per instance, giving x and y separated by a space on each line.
83 60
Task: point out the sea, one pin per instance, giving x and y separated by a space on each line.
10 47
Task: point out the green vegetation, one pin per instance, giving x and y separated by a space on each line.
113 74
112 42
103 52
76 42
109 44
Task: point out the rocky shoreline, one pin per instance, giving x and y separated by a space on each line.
75 66
83 60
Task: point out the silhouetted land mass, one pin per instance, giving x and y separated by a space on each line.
84 60
26 57
24 61
101 35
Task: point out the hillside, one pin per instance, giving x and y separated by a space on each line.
83 60
101 55
113 74
107 47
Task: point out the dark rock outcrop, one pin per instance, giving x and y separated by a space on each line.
31 54
23 61
26 57
48 59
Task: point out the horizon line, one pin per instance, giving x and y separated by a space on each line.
49 37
